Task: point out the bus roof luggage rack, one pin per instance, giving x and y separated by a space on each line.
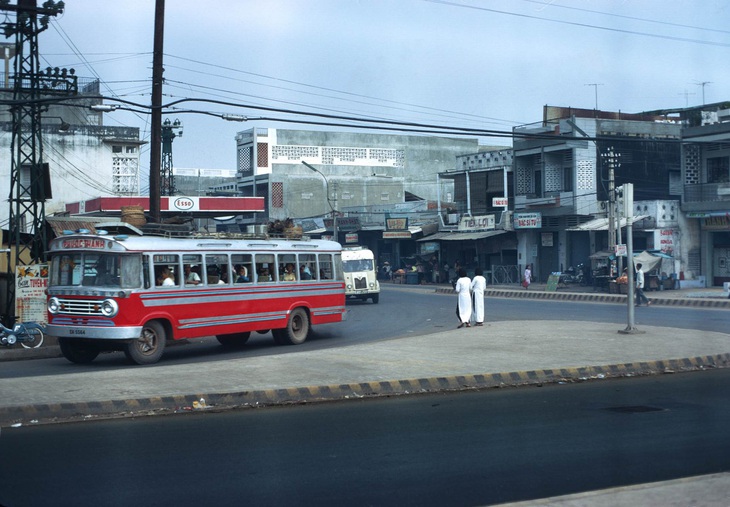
119 228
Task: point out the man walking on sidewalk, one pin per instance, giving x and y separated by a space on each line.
640 297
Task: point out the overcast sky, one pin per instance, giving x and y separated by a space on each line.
478 64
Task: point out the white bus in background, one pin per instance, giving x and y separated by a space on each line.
361 276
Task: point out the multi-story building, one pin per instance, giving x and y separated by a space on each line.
475 226
706 192
564 167
304 174
358 165
86 159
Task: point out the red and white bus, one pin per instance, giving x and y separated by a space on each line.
135 292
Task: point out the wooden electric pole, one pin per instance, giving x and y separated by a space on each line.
156 120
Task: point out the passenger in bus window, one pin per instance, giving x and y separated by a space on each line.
289 275
165 278
191 277
304 273
242 275
321 274
264 275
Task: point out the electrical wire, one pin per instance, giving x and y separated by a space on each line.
583 25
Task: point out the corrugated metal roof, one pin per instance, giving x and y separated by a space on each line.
462 236
60 224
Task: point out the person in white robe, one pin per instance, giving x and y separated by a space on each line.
463 307
478 286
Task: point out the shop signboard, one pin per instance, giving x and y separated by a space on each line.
344 224
482 223
528 220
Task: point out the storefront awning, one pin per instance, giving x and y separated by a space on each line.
601 224
461 236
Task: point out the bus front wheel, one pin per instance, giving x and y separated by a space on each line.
148 348
296 330
77 350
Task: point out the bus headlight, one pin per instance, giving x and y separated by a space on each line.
54 306
109 308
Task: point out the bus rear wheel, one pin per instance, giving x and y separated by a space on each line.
148 348
233 340
77 350
296 330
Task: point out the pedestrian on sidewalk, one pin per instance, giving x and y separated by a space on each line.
640 297
527 277
463 305
478 286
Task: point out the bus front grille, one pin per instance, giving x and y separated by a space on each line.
80 307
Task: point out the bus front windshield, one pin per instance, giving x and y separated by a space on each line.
96 270
357 265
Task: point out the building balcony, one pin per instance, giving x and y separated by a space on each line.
706 197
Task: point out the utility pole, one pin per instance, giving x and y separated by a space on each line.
30 183
611 158
628 195
167 182
156 120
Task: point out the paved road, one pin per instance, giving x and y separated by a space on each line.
498 354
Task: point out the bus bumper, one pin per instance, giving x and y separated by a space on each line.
96 333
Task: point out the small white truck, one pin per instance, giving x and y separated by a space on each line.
361 277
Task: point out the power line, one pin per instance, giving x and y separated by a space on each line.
583 25
349 94
602 13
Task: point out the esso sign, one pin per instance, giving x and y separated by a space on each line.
183 203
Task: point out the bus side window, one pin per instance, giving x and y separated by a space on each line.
216 269
166 269
192 273
265 268
288 272
306 266
325 267
242 268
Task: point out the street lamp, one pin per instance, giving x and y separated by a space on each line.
327 185
63 127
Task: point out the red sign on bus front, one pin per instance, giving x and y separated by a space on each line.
83 243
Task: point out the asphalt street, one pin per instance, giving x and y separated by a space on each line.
498 354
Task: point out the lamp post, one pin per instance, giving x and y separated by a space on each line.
63 127
327 185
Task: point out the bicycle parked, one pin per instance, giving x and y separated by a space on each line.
29 334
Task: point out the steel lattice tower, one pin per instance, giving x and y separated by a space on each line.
33 92
167 179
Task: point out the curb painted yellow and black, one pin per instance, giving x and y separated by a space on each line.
164 405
